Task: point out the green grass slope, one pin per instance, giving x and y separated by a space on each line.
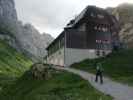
62 86
12 64
118 66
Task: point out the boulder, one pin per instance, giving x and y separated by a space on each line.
41 71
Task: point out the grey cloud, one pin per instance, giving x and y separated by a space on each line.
49 13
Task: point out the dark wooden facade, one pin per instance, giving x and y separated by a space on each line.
100 32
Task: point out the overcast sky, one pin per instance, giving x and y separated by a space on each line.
51 16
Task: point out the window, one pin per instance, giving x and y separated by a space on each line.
104 29
100 16
99 28
114 33
62 42
98 41
103 53
93 15
98 53
60 52
95 28
1 11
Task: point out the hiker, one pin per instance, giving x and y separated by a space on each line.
99 73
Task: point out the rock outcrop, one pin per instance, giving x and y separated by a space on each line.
124 14
41 71
7 9
32 42
25 38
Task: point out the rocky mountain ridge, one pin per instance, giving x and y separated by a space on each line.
25 38
124 14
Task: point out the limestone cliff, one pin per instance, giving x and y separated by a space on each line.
25 38
124 14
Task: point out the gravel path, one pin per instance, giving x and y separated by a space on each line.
109 87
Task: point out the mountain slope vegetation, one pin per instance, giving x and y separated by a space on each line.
11 61
12 64
118 65
62 86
